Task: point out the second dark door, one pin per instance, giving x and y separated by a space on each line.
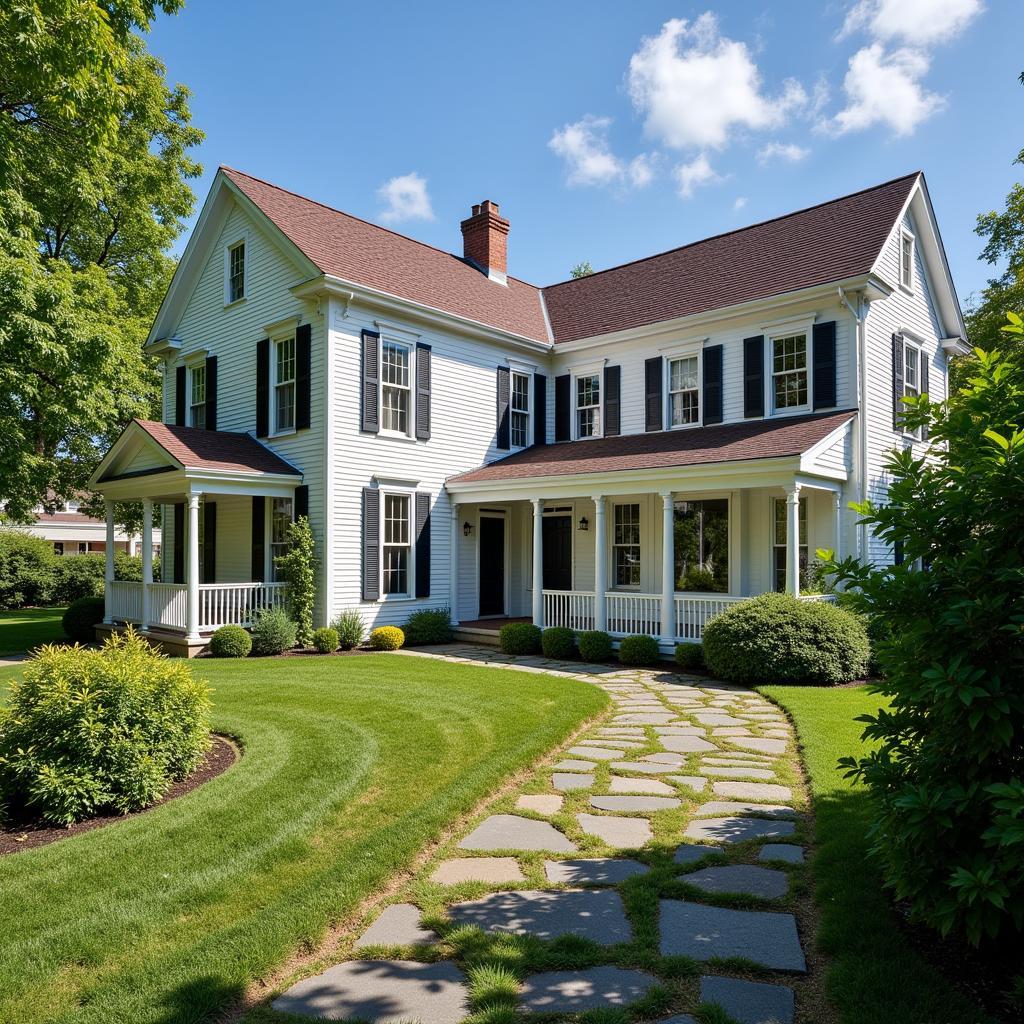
492 566
557 552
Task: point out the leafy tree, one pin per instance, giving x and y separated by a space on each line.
298 568
583 269
946 776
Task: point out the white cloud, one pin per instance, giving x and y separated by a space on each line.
641 170
739 202
917 23
694 86
788 152
691 175
885 88
406 198
584 147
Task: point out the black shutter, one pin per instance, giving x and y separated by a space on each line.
371 374
897 552
503 442
612 400
179 396
303 375
563 414
422 392
540 409
712 356
371 544
263 387
211 393
259 541
422 544
179 543
924 387
753 376
823 356
209 542
302 501
654 403
897 382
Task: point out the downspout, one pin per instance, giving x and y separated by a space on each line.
860 317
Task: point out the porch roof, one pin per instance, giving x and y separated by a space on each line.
667 449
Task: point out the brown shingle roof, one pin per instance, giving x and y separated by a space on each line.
833 241
733 442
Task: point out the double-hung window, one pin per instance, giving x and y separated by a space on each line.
280 520
683 391
912 357
588 405
396 551
779 534
789 372
236 272
396 393
284 384
197 396
907 260
626 545
520 410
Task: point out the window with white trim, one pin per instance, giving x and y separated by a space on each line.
520 410
588 405
907 260
626 545
789 372
780 529
284 384
396 551
912 356
236 272
396 390
197 396
58 547
683 391
281 512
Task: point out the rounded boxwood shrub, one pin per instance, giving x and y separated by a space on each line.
350 629
230 642
519 638
386 638
87 732
429 626
558 642
639 650
272 632
595 645
81 616
776 638
325 640
690 656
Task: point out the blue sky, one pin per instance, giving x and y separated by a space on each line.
607 131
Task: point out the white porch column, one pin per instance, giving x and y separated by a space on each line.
453 569
108 573
192 572
147 559
837 505
668 568
600 565
538 561
793 540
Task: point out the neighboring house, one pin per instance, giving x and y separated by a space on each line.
74 533
629 451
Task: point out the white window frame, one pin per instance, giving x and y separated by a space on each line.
513 412
271 572
577 408
409 388
906 269
241 240
410 571
192 372
670 358
782 335
639 545
276 341
804 515
909 345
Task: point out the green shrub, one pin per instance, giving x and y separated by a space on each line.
76 576
594 645
776 638
129 567
80 617
350 629
690 657
27 569
298 568
429 626
272 632
386 638
639 650
325 640
519 638
86 732
230 642
558 642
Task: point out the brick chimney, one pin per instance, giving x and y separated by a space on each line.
485 241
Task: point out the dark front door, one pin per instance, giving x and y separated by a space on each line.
492 566
557 552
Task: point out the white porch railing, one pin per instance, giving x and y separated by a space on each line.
126 601
220 604
629 613
571 608
168 605
694 610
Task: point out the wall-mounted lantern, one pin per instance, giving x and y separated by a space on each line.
584 524
467 528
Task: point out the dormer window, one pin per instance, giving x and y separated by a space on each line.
197 396
234 271
907 260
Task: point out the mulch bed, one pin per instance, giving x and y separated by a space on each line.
16 838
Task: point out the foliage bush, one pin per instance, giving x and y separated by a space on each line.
690 657
429 626
386 638
80 617
129 567
519 638
776 638
298 568
594 645
639 650
325 640
86 732
273 632
76 576
350 629
558 642
26 569
944 768
230 642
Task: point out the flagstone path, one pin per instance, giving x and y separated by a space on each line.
671 829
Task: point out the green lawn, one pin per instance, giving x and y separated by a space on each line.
26 628
875 976
351 765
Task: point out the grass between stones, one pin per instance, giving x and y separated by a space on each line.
26 628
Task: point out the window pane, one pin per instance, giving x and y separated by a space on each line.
285 360
588 391
284 408
395 409
396 519
395 364
236 272
520 392
198 385
587 426
701 545
396 544
520 429
779 538
683 373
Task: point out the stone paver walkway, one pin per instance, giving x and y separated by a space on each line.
687 789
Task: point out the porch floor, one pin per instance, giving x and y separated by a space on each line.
485 631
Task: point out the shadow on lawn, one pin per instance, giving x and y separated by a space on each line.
200 1001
